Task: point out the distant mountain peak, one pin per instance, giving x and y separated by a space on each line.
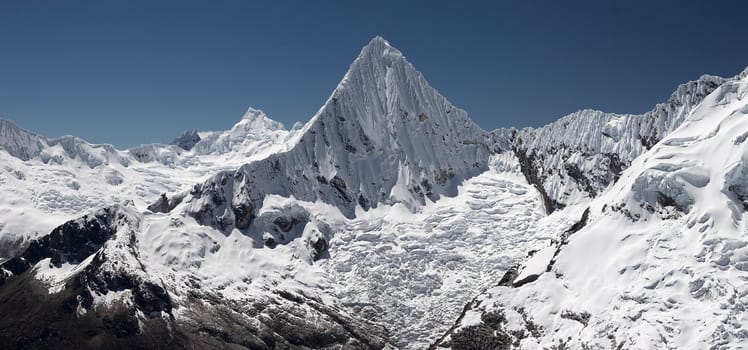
255 119
187 140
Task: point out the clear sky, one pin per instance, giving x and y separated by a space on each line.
132 72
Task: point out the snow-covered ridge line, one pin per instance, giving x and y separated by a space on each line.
581 154
253 131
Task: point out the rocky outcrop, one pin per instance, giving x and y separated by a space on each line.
186 140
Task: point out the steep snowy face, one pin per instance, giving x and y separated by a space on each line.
580 155
668 116
385 111
659 260
384 136
18 142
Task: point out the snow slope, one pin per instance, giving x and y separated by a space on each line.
658 261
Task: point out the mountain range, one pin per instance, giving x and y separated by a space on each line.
390 220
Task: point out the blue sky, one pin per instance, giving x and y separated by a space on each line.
132 72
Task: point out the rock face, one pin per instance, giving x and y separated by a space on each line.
187 140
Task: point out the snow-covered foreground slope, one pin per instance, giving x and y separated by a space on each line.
659 261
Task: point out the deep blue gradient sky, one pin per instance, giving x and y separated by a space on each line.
131 72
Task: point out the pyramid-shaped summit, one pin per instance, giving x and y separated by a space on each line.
381 84
384 136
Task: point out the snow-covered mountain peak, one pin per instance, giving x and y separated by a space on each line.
378 49
387 96
256 120
384 136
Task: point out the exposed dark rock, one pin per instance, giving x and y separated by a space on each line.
573 171
665 201
564 239
526 280
339 185
488 335
741 194
509 276
441 341
649 141
290 321
581 317
319 246
363 202
285 224
270 242
443 176
615 165
164 205
72 242
34 319
579 224
187 140
243 215
533 177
